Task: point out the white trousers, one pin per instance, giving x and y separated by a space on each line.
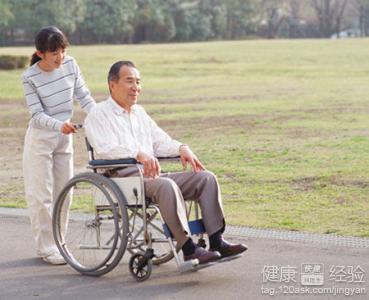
47 166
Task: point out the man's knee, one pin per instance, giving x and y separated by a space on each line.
207 177
165 189
165 183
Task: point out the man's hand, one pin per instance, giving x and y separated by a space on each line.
187 156
68 128
150 163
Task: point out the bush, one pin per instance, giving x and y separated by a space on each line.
9 62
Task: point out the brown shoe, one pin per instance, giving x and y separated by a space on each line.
227 249
204 256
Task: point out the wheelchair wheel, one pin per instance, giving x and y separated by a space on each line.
162 250
90 224
140 267
162 256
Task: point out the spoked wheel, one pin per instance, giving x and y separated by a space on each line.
162 253
140 267
90 224
162 249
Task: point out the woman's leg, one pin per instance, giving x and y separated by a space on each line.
62 172
38 182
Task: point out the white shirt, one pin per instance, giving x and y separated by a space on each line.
115 133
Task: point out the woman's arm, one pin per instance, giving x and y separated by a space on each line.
36 110
81 91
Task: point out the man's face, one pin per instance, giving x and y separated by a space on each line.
125 91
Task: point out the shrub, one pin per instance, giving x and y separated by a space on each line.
9 62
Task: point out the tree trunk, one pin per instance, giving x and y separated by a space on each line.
12 38
361 19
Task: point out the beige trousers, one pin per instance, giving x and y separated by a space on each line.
47 166
170 190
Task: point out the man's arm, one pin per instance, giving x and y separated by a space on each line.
165 146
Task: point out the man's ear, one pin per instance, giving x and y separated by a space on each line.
111 85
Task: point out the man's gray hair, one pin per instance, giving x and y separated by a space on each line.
113 74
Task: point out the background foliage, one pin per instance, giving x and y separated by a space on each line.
143 21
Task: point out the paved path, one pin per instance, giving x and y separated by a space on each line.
23 276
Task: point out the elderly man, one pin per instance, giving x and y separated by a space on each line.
119 128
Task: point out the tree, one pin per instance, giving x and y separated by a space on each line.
329 14
294 19
154 21
5 13
6 16
108 21
68 14
209 19
219 20
200 26
359 10
181 18
240 18
273 14
64 14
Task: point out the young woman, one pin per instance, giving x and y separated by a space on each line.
50 84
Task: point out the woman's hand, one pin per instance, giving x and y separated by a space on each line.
68 128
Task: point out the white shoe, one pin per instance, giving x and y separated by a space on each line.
54 259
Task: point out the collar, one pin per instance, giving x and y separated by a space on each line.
117 108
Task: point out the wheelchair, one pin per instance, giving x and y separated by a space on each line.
97 218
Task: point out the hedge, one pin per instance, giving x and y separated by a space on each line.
9 62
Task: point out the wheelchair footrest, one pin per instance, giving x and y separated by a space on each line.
193 265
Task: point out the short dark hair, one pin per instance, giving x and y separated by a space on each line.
113 74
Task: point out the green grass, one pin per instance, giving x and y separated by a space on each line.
284 124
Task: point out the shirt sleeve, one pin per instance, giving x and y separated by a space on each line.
81 91
103 139
36 109
163 144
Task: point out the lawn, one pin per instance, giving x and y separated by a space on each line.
283 123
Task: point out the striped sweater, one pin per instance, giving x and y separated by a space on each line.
49 95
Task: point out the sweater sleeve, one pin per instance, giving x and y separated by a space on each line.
81 91
36 109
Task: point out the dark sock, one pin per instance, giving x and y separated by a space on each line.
216 239
189 247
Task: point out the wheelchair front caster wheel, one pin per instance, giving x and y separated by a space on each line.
201 243
140 267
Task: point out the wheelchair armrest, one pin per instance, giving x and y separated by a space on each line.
116 163
169 159
125 161
108 162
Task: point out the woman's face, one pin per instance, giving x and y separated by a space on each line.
51 60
